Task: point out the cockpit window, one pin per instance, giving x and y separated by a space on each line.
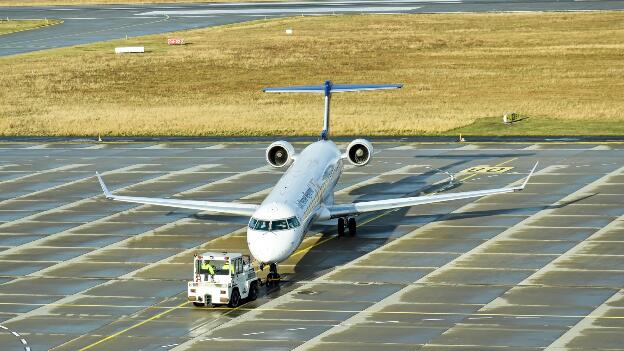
259 225
293 222
279 225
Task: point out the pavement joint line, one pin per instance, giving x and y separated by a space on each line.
499 301
42 172
585 323
68 205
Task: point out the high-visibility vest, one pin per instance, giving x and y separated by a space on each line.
229 267
207 266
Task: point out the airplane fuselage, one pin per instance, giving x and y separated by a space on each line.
280 223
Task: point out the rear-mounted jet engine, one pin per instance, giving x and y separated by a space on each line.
280 154
359 152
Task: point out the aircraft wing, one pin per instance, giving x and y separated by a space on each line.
352 209
222 207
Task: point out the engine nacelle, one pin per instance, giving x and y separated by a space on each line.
280 154
359 152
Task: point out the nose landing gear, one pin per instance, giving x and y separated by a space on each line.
350 224
273 278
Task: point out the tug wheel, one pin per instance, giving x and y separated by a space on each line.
234 299
253 291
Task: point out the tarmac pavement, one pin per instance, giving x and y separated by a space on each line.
540 269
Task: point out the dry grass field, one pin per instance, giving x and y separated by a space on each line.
12 26
105 2
565 71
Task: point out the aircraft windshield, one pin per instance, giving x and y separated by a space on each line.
280 224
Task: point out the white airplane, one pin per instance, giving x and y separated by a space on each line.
305 193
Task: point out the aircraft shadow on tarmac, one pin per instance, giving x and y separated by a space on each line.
514 210
316 261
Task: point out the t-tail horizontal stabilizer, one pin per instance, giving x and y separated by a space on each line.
327 89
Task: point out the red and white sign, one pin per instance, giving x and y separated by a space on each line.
175 41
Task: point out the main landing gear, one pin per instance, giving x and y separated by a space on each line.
350 224
273 278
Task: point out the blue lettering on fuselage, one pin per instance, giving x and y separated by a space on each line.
305 198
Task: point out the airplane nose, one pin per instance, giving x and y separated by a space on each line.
270 247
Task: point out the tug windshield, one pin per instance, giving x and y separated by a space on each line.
213 267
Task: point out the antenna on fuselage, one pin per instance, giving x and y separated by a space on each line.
328 88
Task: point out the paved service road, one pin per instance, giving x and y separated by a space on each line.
88 24
540 269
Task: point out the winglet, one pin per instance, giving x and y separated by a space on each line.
107 193
521 187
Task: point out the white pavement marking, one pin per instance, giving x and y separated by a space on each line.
468 147
37 147
156 147
601 147
319 10
17 335
533 147
214 147
95 147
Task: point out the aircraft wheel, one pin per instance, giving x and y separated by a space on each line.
341 226
199 304
352 227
